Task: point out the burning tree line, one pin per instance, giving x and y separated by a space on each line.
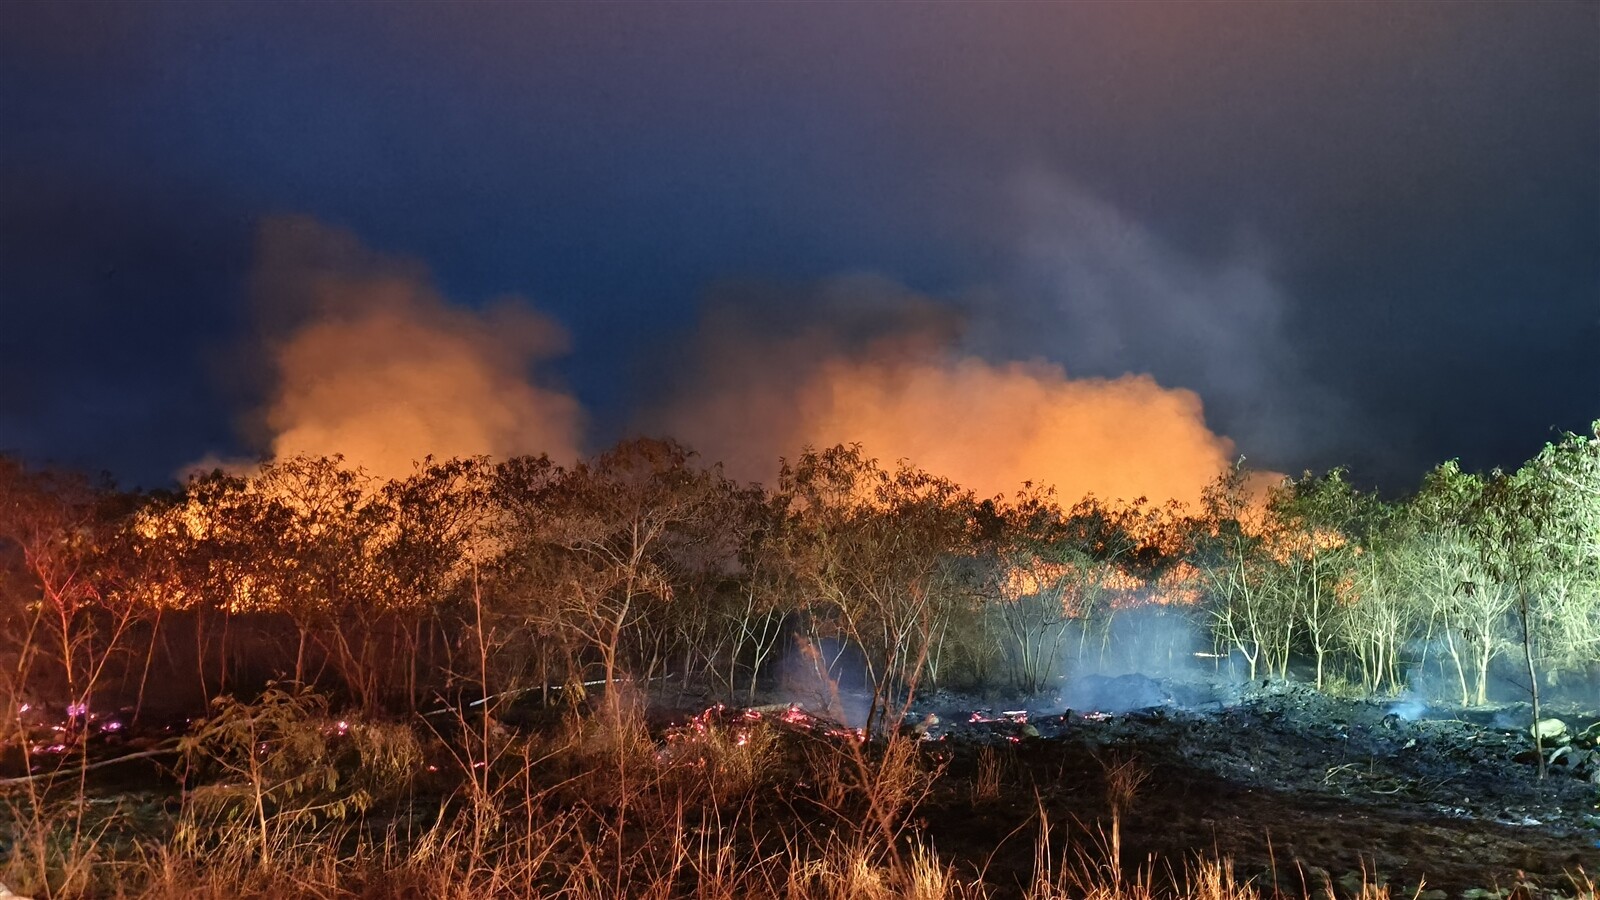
642 563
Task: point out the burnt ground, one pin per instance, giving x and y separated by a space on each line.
1300 789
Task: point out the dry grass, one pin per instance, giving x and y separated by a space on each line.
593 811
991 773
1124 777
567 857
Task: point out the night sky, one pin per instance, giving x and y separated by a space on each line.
1361 233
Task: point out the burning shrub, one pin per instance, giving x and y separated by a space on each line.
730 759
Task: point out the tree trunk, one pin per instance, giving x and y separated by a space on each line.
1461 672
1485 652
1533 681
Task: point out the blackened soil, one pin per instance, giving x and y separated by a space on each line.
1301 790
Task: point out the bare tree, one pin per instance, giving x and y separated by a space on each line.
437 538
1234 564
1056 569
64 610
623 534
1311 538
1433 549
757 602
1565 481
877 550
1377 604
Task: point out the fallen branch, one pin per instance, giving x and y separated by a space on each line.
446 710
87 767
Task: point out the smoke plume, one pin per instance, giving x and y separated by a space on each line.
991 427
884 367
1102 291
367 359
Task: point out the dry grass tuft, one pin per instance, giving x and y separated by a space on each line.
991 773
1213 879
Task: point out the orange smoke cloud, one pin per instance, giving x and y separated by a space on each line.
866 361
368 360
991 427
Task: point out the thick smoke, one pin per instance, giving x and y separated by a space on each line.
992 427
1083 368
874 363
367 359
1101 291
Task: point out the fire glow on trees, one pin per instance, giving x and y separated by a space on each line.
647 563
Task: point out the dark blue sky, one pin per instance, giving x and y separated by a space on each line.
1409 192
